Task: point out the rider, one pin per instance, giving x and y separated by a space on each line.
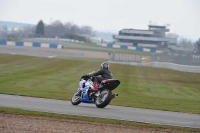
105 74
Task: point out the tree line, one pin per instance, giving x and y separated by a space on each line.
68 30
182 41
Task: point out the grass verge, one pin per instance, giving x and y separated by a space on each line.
99 48
89 119
141 87
110 50
82 59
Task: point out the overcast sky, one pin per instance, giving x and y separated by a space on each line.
108 15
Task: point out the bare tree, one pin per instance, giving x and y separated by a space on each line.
58 28
185 43
68 30
172 35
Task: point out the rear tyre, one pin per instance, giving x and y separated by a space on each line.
76 98
104 98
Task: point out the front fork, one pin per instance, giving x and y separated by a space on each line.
81 92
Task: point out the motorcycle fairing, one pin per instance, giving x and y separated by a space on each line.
84 95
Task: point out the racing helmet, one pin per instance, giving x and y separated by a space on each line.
105 66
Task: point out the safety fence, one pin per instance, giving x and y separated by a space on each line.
178 67
176 58
180 61
183 58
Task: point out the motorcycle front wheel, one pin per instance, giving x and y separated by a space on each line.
103 99
76 98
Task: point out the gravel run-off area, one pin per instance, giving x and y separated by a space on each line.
10 123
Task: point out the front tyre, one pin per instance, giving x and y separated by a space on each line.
104 98
76 98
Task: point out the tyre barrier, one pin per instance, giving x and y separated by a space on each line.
132 48
32 44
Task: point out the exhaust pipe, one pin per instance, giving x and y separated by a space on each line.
114 95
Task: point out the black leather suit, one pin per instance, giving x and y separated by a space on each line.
105 74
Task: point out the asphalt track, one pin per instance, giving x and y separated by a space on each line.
110 112
46 52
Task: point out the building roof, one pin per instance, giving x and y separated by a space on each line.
136 29
159 26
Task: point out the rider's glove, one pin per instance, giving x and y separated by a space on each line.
87 76
90 74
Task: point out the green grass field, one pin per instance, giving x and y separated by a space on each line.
117 50
142 87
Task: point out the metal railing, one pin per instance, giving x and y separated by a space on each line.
178 67
182 58
182 61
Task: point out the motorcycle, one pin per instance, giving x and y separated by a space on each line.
101 97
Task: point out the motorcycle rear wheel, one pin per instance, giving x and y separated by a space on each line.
104 98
